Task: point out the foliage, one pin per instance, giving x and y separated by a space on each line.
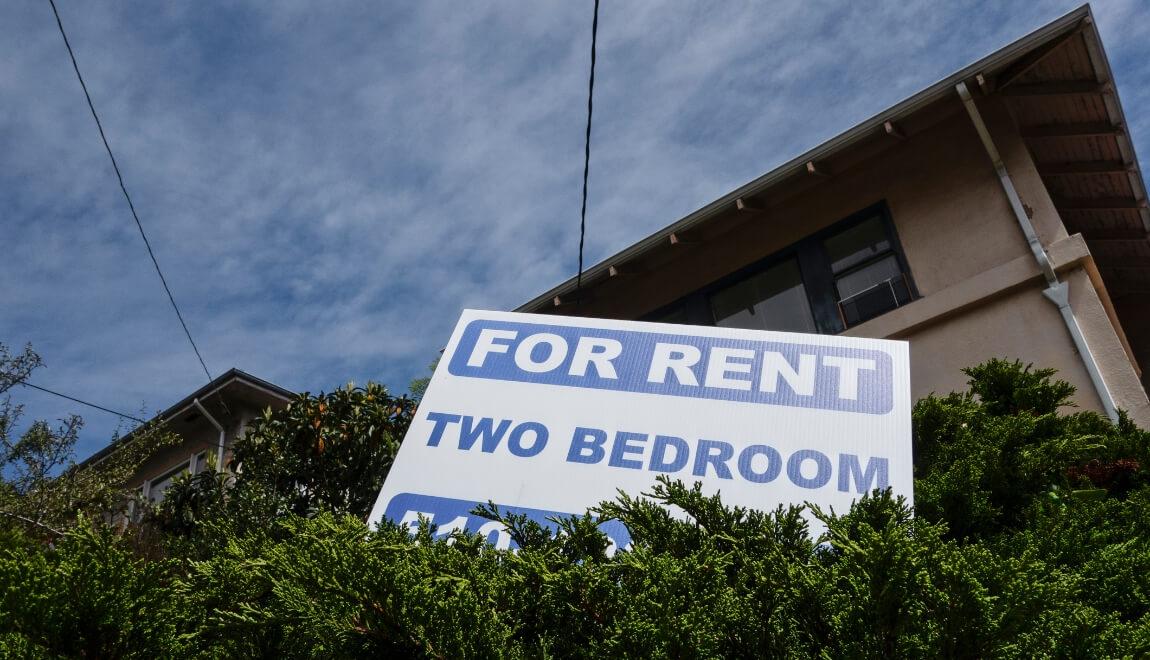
327 452
418 386
1029 538
88 595
41 487
983 456
323 452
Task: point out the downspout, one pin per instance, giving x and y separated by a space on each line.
1056 292
220 449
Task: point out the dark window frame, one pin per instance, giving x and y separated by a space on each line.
814 269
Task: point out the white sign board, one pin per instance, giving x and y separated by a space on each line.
549 415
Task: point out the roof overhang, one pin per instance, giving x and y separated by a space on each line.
215 394
1007 60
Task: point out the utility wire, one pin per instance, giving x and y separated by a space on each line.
128 197
80 401
586 156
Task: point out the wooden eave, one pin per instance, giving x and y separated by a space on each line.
753 201
1059 87
1079 141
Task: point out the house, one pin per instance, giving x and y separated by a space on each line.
208 421
998 213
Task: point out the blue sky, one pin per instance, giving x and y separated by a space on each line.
328 184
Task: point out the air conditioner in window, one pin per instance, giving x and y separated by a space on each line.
875 300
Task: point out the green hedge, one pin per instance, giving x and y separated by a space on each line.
1030 537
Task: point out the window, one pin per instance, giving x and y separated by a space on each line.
676 314
157 487
772 299
826 283
868 277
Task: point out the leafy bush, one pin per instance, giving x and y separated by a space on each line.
42 490
88 595
983 456
328 452
1030 537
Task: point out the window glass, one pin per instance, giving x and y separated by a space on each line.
675 315
854 272
853 246
867 274
872 289
201 463
870 275
773 299
157 487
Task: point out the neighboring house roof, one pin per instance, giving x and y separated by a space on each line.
233 383
1024 71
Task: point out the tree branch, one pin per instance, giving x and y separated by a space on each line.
31 522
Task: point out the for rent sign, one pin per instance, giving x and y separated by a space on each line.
548 415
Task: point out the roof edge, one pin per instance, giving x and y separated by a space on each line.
1102 71
216 384
851 136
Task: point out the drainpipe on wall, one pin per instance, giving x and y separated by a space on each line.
220 449
1056 292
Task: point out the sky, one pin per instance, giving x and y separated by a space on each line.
327 185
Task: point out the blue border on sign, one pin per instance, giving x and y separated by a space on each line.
875 387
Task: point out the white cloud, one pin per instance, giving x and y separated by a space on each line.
328 185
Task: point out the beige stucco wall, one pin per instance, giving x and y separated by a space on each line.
981 289
168 458
1113 359
1001 312
1020 325
951 216
199 436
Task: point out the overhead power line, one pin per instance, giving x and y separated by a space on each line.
124 190
587 155
80 401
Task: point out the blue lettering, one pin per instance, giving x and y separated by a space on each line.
795 468
515 441
491 437
441 421
774 464
716 453
622 448
759 463
456 515
659 462
845 378
587 446
875 467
